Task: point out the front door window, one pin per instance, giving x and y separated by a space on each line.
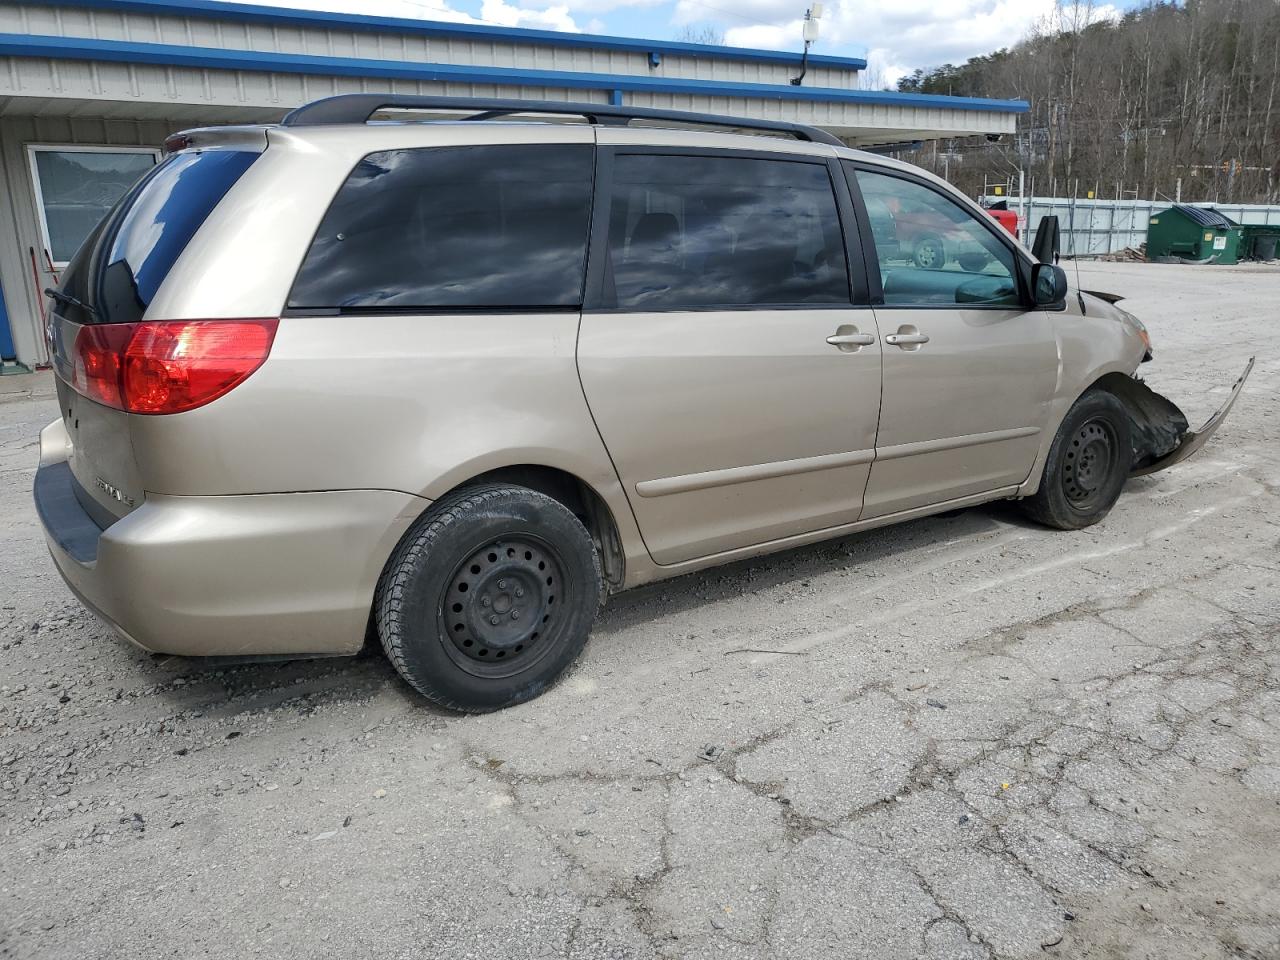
931 250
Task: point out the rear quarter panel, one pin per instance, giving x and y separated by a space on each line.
416 404
411 403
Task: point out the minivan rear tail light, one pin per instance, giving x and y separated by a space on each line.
97 361
167 366
175 366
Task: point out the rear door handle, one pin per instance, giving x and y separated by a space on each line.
849 340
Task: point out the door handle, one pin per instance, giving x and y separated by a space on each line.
908 337
849 340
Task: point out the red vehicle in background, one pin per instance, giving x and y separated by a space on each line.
926 236
1007 219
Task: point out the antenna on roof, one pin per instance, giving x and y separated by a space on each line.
809 30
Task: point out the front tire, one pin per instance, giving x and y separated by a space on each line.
1087 466
489 598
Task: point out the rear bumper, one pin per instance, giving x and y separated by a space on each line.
266 574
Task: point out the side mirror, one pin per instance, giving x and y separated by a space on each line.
1049 283
1048 242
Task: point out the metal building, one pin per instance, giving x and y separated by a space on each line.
89 89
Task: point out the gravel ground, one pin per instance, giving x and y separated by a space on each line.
974 738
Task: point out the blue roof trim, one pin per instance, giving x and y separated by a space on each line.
288 16
121 51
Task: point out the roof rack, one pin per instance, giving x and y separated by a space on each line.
359 107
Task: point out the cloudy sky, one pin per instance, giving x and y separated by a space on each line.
896 37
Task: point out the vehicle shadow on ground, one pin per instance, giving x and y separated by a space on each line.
799 564
224 690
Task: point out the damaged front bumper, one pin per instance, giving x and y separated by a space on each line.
1160 434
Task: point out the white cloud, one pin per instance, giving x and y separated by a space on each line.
899 37
659 20
554 17
551 15
784 36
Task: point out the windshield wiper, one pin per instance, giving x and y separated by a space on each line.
66 298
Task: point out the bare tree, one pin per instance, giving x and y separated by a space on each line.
704 34
1168 92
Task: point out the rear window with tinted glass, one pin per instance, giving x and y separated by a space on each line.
501 226
116 273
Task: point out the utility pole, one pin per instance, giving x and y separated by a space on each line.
1022 199
809 30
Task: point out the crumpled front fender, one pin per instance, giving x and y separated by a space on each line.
1156 424
1157 419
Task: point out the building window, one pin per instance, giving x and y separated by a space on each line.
76 186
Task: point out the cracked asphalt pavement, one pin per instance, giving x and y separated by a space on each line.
963 737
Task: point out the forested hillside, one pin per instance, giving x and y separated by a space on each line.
1172 91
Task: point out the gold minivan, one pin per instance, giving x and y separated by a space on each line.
454 381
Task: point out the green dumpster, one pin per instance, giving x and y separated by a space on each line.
1260 241
1193 234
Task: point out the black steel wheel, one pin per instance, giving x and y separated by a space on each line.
499 607
1087 466
489 597
1091 458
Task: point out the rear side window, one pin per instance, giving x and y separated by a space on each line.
117 271
704 231
454 227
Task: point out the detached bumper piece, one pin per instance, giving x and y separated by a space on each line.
1158 421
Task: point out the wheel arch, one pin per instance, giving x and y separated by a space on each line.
1113 382
1112 377
579 496
1157 423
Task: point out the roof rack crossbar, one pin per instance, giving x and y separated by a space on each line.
359 107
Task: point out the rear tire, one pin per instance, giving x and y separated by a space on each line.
1087 466
489 597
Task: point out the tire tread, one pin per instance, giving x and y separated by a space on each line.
418 540
1047 505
